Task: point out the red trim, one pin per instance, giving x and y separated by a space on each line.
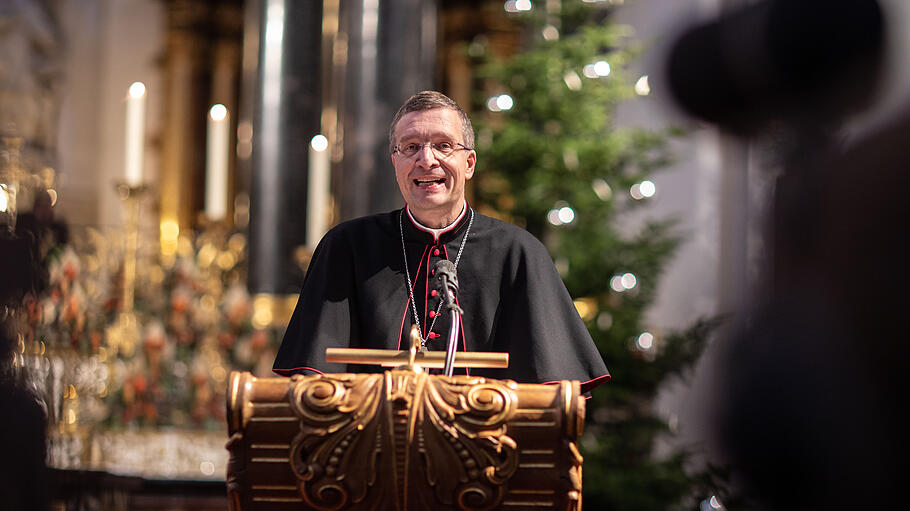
586 386
304 368
442 231
426 291
590 385
408 301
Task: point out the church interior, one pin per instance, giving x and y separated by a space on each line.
718 183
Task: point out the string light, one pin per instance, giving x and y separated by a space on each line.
517 6
645 341
560 215
602 189
500 103
550 33
647 188
604 320
573 82
643 190
711 504
641 86
616 284
598 69
623 282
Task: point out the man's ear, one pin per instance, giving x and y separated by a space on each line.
472 160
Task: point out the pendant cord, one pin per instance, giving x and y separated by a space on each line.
404 252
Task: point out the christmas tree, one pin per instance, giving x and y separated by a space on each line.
556 163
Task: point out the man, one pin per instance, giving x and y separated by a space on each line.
371 278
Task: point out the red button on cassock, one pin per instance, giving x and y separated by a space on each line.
435 251
433 293
432 314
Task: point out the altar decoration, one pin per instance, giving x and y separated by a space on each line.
155 370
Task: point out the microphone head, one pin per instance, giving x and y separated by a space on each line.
444 266
446 277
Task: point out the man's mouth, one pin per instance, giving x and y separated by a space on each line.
428 181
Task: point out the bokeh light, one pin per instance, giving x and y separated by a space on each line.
645 341
642 88
319 143
218 112
137 90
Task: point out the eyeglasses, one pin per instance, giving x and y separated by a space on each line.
440 149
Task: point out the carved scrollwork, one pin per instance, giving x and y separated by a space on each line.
237 471
436 442
462 440
337 438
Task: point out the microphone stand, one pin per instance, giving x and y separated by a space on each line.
449 366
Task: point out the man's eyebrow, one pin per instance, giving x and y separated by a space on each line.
409 137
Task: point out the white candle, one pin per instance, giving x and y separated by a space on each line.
216 163
135 133
317 191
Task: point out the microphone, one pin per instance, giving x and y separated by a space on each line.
446 282
447 285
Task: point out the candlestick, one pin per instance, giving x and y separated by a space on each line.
317 191
216 163
135 133
124 335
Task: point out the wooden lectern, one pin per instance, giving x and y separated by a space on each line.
403 440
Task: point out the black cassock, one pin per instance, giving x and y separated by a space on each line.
355 295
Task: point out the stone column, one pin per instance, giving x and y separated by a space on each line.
288 115
183 104
391 55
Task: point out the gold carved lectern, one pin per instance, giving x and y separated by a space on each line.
403 440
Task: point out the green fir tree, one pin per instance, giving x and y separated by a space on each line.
554 161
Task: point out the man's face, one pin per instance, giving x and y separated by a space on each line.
433 186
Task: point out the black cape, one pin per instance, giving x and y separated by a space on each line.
355 296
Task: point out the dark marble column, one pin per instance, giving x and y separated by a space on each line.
288 110
391 55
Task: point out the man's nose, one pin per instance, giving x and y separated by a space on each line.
425 155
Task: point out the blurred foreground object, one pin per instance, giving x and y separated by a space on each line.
781 59
814 377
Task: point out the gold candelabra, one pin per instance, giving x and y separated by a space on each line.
123 336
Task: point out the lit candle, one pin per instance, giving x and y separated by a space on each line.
216 163
317 191
135 133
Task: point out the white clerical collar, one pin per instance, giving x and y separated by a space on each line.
437 232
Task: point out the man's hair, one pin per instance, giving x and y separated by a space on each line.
428 100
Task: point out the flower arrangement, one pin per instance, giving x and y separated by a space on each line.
164 361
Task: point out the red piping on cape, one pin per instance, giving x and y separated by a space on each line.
305 368
451 226
408 300
586 386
